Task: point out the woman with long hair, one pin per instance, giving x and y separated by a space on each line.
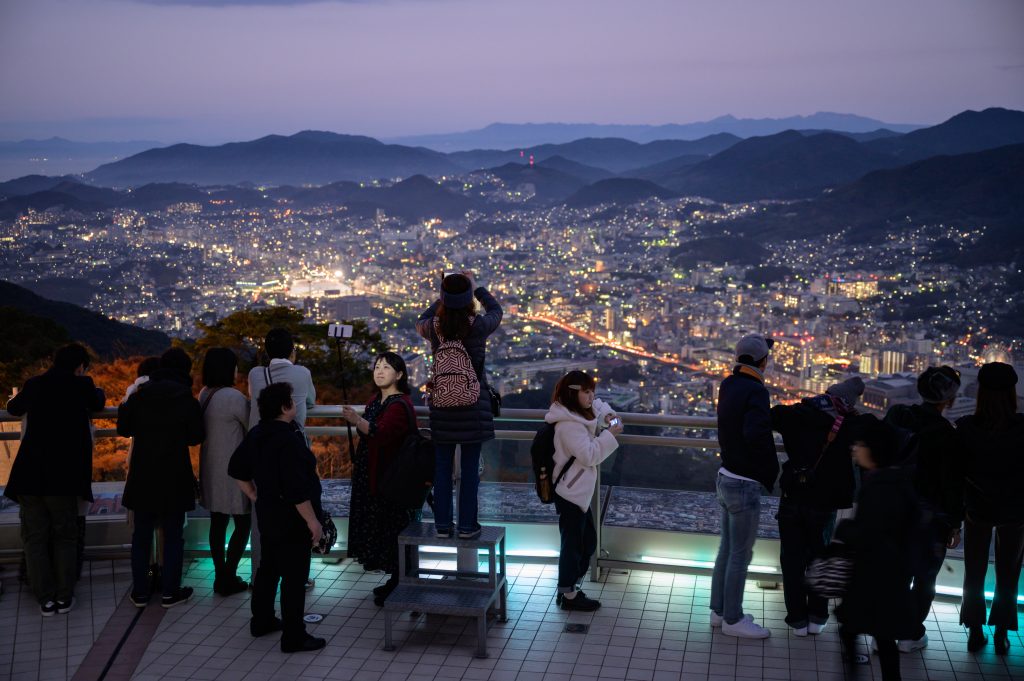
993 438
374 522
226 418
460 402
585 430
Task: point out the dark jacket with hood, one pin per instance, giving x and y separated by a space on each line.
475 423
938 459
882 537
805 428
165 420
55 455
275 457
745 427
994 470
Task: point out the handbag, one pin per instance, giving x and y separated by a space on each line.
495 401
408 479
829 575
328 535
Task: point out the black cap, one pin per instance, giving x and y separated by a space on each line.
997 376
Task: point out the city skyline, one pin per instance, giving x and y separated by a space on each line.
210 71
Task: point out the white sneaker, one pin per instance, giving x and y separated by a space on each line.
910 645
717 620
745 629
815 629
800 631
874 644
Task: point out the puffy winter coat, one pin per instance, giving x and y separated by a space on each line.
475 423
578 436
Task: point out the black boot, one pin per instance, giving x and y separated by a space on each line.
976 639
1002 641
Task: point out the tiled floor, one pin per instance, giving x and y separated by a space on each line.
653 627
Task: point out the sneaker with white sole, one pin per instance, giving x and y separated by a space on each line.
800 631
745 629
64 607
717 620
48 609
910 645
814 628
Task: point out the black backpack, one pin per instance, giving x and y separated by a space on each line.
410 476
542 453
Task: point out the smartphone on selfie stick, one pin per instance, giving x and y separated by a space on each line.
342 333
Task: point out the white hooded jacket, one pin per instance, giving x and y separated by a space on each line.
577 436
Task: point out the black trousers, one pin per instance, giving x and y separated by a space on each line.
579 541
803 533
929 563
1009 552
225 564
287 563
888 655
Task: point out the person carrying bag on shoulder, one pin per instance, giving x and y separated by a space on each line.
585 435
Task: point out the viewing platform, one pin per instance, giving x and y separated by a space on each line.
656 548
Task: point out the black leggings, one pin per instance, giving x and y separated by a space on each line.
888 656
227 566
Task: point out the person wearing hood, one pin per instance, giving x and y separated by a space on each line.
52 471
882 538
935 454
993 440
165 419
585 432
817 480
749 463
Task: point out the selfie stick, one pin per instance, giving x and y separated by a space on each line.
344 395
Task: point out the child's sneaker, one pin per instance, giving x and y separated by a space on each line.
180 596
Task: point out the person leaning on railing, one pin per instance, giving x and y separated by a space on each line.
585 431
52 471
452 318
165 420
374 522
994 440
277 471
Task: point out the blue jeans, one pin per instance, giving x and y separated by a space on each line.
470 484
741 511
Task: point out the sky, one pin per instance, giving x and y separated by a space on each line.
210 71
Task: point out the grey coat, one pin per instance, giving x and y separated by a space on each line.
226 419
457 425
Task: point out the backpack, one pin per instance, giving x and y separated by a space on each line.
542 453
408 479
453 382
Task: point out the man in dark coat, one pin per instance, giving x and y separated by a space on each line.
165 420
938 463
749 462
817 480
883 538
52 471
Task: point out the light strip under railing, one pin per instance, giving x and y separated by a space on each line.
957 591
515 553
705 564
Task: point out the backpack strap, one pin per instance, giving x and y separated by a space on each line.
209 396
565 469
829 439
412 415
267 376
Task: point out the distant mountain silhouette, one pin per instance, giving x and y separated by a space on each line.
516 136
30 184
611 154
107 337
962 134
782 166
658 171
618 190
304 158
970 190
580 170
73 195
548 184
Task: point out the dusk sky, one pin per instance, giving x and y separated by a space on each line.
217 70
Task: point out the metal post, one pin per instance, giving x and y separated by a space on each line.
595 509
466 559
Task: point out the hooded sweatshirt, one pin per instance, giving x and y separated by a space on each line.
578 436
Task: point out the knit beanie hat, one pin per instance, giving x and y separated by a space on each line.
938 384
849 391
997 376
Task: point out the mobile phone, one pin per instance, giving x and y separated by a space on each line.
615 422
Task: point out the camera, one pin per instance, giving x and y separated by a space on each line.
339 330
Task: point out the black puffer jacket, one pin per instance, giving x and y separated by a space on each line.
457 425
939 459
883 537
994 470
805 427
165 420
745 428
